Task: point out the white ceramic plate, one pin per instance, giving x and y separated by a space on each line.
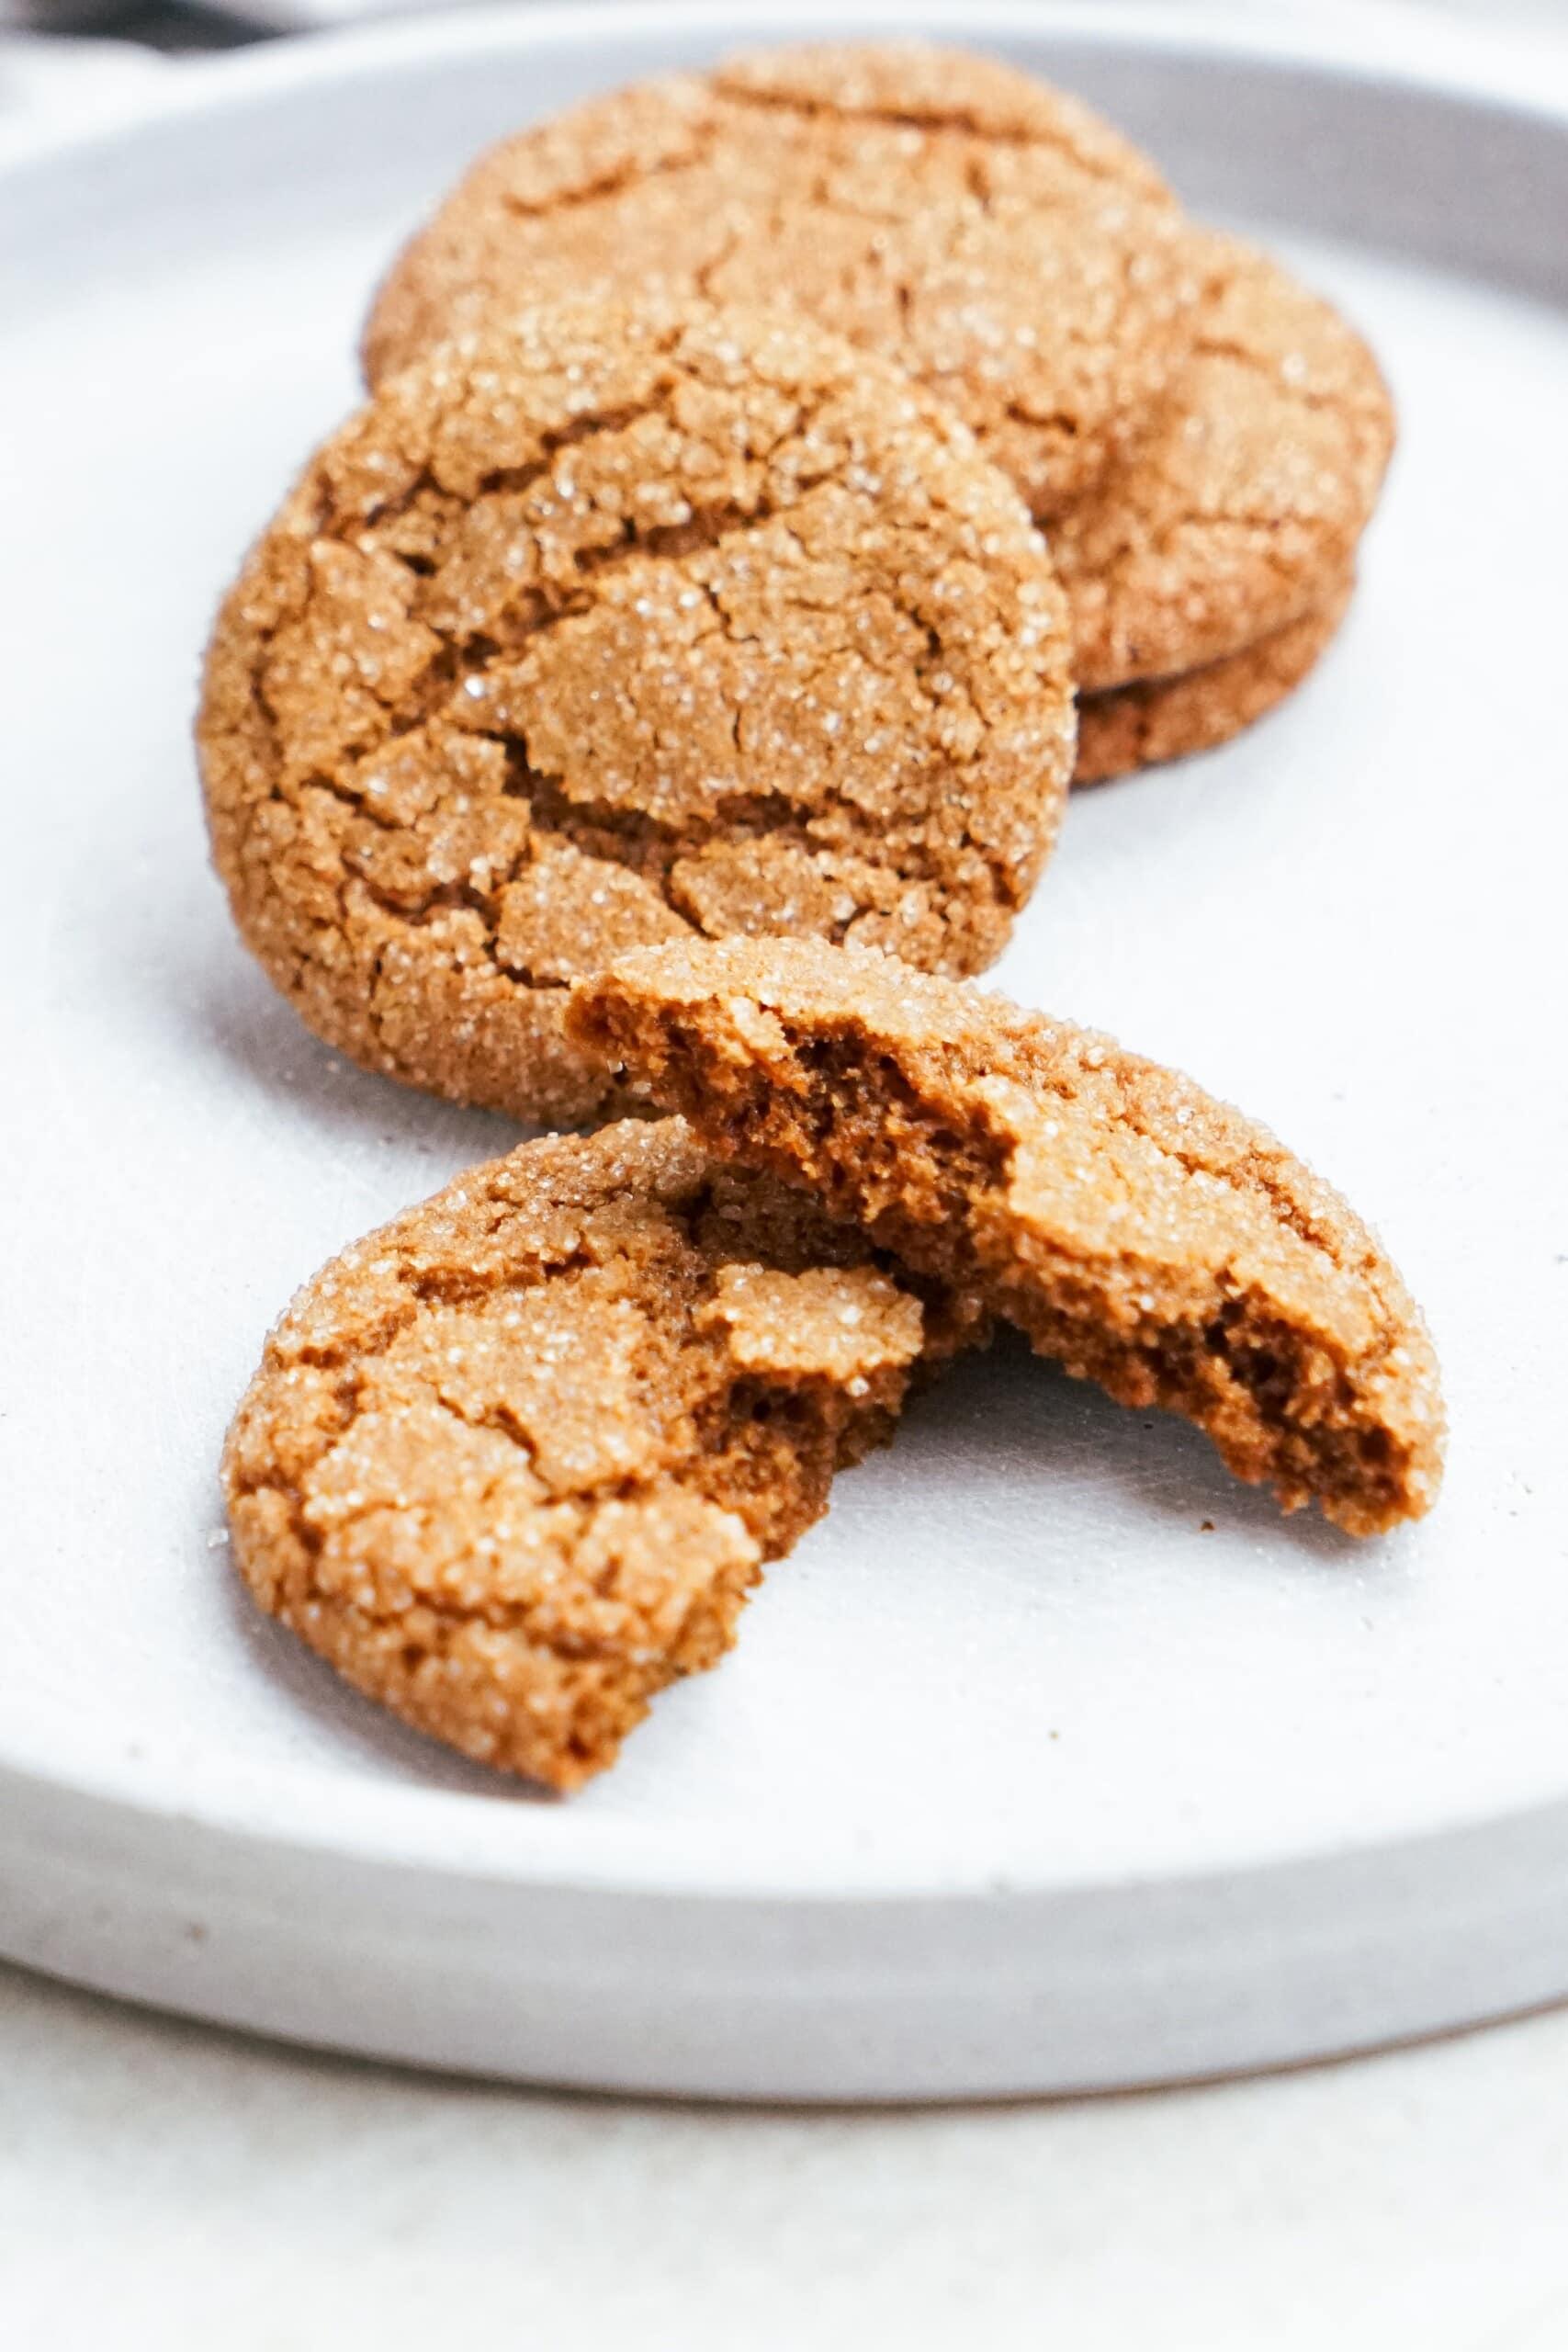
76 78
1053 1758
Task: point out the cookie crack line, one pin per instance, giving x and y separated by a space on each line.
502 480
614 836
612 417
966 123
1307 396
611 183
1145 1235
499 1417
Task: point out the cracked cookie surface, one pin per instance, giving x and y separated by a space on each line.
989 233
1157 720
612 626
1143 1234
1241 509
511 1463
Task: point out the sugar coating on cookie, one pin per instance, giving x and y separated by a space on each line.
511 1464
610 627
984 230
1240 510
1145 1235
1142 726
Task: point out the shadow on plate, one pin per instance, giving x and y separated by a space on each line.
1009 1417
190 972
333 1714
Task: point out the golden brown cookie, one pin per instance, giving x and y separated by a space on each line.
1145 1235
511 1463
1241 509
608 626
1167 719
988 232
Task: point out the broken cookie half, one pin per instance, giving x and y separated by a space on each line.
1145 1235
513 1462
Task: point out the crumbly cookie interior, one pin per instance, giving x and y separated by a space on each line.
1144 1235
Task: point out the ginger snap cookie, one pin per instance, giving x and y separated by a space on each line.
988 234
1241 509
1157 719
1145 1235
511 1464
607 626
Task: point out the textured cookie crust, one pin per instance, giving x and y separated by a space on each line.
1167 718
991 234
1240 510
511 1464
611 625
1145 1235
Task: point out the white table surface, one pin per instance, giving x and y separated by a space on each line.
163 2185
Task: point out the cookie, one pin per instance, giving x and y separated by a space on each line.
511 1464
986 231
1145 1235
1167 719
1241 509
610 627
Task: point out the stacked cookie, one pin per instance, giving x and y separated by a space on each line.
777 487
1205 438
1213 561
